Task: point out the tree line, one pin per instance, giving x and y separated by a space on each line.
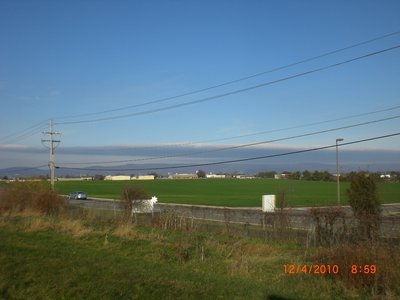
393 176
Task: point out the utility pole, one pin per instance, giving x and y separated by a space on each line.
337 171
52 142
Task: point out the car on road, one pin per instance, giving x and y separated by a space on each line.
78 195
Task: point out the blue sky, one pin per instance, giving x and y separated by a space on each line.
66 58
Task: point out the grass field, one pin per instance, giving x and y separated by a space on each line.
85 253
228 192
45 258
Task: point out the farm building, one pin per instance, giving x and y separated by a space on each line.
117 177
143 177
75 178
215 175
183 176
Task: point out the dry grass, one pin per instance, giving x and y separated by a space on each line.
20 196
73 227
385 257
3 221
34 221
128 231
38 224
125 231
26 213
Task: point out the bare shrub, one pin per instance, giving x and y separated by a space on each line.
5 205
134 198
171 220
365 266
281 201
364 201
281 219
48 202
330 225
20 196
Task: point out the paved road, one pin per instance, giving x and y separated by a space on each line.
98 204
108 204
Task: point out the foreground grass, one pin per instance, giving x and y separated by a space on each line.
229 192
48 258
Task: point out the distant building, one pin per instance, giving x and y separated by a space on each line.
143 177
183 176
117 177
245 177
282 176
75 178
215 175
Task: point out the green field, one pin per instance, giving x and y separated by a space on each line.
229 192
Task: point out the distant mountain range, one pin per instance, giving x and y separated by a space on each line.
242 168
252 160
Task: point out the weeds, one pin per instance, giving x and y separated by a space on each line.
20 196
171 220
74 227
134 199
330 226
369 267
174 241
366 261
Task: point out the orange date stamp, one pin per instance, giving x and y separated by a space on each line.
322 269
319 269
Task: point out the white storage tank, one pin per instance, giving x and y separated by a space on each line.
268 203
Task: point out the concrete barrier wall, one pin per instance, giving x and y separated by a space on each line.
291 218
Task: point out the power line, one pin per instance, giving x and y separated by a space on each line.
266 131
232 92
288 128
27 168
245 145
239 79
27 132
242 159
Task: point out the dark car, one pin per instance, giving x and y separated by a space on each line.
78 196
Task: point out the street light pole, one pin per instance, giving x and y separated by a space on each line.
337 171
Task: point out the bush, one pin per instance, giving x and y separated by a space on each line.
133 200
48 202
19 196
382 280
364 201
330 225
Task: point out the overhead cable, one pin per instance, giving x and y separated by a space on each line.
28 168
31 130
202 100
243 145
237 80
294 127
242 159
